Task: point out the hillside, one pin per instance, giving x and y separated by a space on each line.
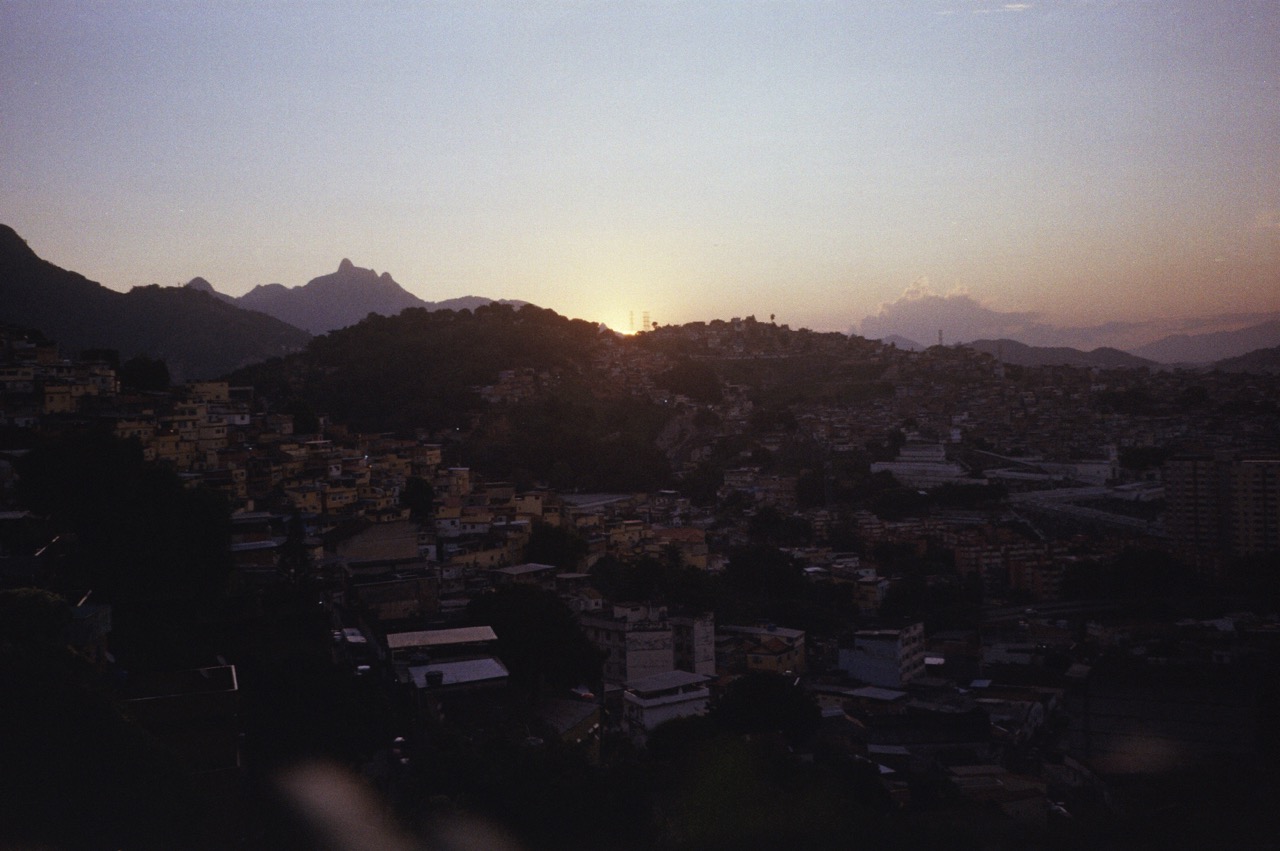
422 370
197 335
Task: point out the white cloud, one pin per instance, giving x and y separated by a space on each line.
920 313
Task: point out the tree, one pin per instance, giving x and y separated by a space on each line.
555 545
305 420
702 483
769 525
811 489
539 639
155 549
762 702
32 615
694 379
77 772
764 573
145 374
419 497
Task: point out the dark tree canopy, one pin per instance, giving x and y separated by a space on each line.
764 572
539 639
761 702
145 374
418 495
34 615
77 773
156 550
694 379
555 545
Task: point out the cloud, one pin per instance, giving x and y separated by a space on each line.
920 313
991 10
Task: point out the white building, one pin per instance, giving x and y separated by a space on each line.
924 465
636 638
649 701
889 658
694 639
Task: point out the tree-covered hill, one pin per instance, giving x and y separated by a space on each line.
420 369
423 370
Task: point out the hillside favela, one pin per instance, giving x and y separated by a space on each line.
495 577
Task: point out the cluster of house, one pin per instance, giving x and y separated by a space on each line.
36 381
397 611
902 701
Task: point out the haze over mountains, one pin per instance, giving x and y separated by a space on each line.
1011 351
915 319
339 299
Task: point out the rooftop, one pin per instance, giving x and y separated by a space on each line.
440 637
665 681
464 672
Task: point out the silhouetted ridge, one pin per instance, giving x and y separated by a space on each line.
14 246
1011 351
197 336
341 299
1258 361
1216 346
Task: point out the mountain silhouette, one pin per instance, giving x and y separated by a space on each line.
338 300
1258 361
1011 351
197 334
202 286
1207 348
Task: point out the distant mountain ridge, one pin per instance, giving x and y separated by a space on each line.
339 299
1208 348
196 334
921 314
1013 352
1258 361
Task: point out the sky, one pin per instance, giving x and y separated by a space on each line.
827 163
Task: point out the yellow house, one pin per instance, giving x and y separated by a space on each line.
58 399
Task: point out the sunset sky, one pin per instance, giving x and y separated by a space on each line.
1082 160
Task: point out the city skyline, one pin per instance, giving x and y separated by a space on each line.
1061 162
